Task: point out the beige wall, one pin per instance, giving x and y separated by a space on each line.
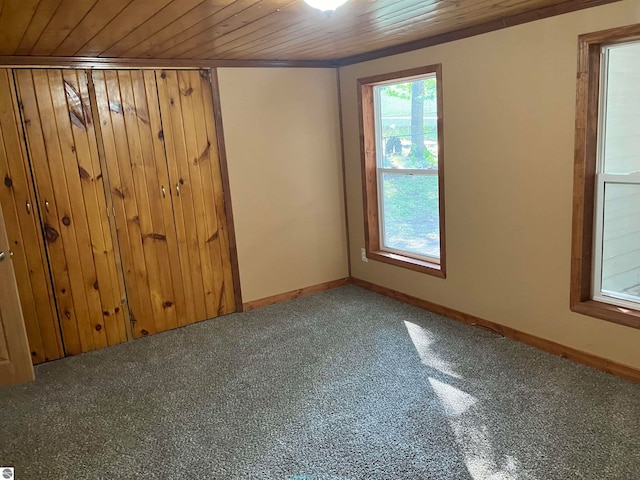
509 107
283 150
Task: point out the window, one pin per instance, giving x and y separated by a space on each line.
403 177
606 234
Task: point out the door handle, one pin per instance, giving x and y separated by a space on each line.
164 194
46 205
2 255
178 189
28 208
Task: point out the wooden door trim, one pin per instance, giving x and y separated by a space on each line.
224 171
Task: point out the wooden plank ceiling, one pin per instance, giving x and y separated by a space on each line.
245 29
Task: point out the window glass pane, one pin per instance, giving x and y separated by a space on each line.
407 121
410 213
621 241
621 147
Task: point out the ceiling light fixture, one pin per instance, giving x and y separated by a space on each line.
326 6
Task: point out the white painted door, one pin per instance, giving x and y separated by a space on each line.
15 359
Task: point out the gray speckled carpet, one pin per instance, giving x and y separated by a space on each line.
346 384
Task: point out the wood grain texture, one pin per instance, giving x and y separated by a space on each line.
17 201
293 294
249 30
584 176
135 158
70 198
105 63
190 136
15 364
554 348
224 174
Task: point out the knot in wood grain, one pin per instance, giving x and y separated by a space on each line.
50 233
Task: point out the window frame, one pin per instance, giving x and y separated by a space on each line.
583 299
370 172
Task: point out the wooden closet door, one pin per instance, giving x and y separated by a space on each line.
186 105
134 150
69 185
15 361
24 233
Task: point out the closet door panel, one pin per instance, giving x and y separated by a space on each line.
163 211
90 179
220 245
23 230
62 143
134 151
187 115
186 218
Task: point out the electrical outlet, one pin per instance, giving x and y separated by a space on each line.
364 255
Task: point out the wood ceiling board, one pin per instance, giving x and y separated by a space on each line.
320 30
91 24
208 49
238 20
136 13
402 23
67 16
172 20
39 21
240 24
267 33
299 37
243 30
15 17
228 13
500 23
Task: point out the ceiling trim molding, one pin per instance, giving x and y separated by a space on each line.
499 24
28 61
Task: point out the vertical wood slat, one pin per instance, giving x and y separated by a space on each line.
196 151
107 90
185 220
207 153
136 191
135 156
91 181
23 229
231 297
38 154
64 169
163 212
62 143
187 108
115 269
175 145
